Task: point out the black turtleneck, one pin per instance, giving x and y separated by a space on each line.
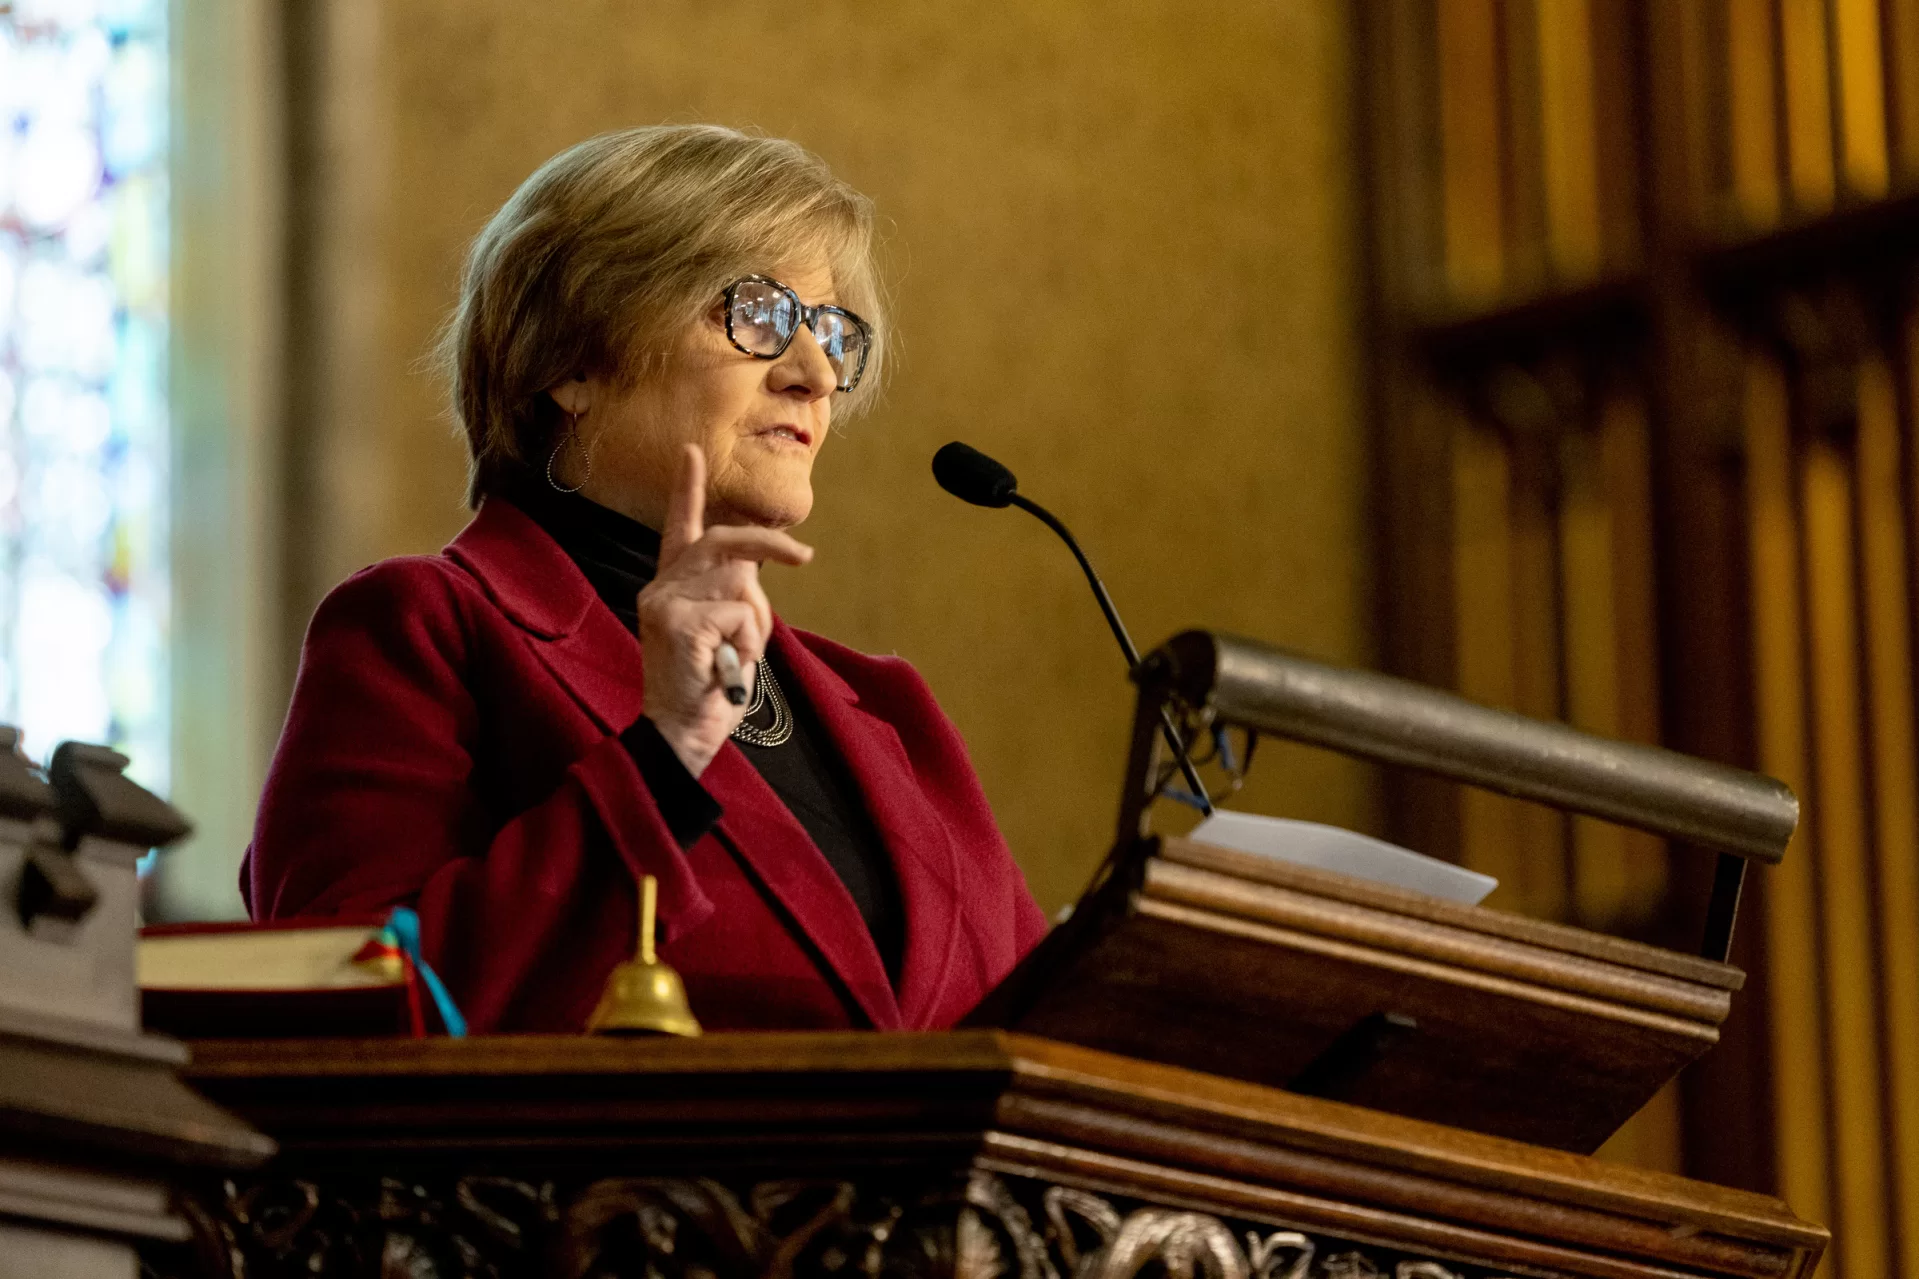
619 556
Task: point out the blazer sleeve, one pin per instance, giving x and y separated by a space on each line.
371 803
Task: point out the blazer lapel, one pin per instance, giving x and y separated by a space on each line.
760 828
921 850
535 582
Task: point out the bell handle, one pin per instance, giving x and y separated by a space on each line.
649 906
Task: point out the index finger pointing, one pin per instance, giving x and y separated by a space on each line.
747 542
685 506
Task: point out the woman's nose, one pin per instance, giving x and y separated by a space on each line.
804 369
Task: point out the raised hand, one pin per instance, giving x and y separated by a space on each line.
707 590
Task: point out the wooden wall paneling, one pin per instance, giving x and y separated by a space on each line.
1753 112
1901 50
1539 658
1419 610
1491 207
1523 158
1583 136
1895 773
1616 85
1696 66
1691 376
1806 74
1899 859
1904 346
1619 876
1789 896
1653 1138
1716 73
1399 127
1706 621
1839 813
1568 136
1611 676
1728 1125
1399 124
1657 1132
1625 457
1690 372
1483 642
1470 144
1603 889
1860 73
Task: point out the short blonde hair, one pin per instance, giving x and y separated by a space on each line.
604 256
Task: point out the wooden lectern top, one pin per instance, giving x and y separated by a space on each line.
883 1112
1238 965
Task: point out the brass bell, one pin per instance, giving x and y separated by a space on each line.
644 996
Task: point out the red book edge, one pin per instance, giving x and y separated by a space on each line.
269 926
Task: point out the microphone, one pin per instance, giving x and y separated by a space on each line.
971 476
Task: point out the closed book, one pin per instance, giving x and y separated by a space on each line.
276 980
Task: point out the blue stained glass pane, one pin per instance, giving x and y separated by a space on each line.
84 586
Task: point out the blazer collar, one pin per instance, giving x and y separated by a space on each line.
539 588
524 570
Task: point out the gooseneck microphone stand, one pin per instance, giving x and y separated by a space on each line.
972 476
1166 726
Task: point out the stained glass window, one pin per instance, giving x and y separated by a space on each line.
83 341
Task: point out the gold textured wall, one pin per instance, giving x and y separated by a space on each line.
1124 245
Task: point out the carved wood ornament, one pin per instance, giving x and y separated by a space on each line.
986 1227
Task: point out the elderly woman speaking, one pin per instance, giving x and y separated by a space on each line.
652 339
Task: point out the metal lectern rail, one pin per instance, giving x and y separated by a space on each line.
1743 816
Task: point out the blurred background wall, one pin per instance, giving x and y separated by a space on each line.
1123 248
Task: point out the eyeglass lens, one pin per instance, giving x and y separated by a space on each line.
765 315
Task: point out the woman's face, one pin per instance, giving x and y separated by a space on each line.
760 423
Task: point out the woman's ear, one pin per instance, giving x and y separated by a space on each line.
574 396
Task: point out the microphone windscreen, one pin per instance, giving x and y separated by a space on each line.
971 476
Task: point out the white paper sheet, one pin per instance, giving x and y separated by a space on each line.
1345 852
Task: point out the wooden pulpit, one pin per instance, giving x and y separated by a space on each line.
1220 1066
1240 965
980 1153
1249 967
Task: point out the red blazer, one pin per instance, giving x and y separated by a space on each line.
453 746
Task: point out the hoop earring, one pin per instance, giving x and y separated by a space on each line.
572 430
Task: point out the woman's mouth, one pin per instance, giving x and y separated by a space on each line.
787 431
